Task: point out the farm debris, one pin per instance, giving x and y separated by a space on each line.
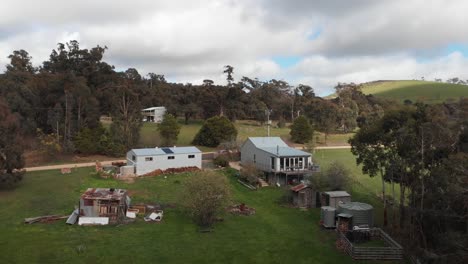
241 209
119 163
171 171
44 219
155 216
89 221
73 217
132 213
65 170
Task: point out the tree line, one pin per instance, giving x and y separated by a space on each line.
424 150
70 91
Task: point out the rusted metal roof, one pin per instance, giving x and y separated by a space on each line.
104 194
299 187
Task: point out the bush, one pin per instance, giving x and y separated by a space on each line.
9 180
169 130
250 174
301 130
204 197
214 131
281 123
221 161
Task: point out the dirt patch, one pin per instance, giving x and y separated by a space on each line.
36 158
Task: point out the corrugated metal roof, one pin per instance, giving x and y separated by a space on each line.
159 151
285 151
299 187
338 194
154 108
267 142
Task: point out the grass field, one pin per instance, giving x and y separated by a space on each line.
276 234
425 91
149 137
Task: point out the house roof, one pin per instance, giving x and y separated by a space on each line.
267 142
285 151
276 146
299 187
338 194
165 151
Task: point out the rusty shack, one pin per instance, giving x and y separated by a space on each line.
304 196
103 206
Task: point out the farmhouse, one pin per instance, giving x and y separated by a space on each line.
147 160
103 206
280 163
153 114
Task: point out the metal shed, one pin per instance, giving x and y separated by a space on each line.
334 198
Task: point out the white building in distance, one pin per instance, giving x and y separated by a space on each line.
150 159
153 114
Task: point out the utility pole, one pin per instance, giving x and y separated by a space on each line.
268 112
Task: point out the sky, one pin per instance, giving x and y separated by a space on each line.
317 43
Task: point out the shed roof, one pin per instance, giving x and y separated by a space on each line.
104 194
299 187
338 194
154 108
165 151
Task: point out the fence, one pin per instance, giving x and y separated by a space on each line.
392 250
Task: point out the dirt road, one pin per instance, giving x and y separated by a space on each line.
206 155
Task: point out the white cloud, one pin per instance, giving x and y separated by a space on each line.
189 41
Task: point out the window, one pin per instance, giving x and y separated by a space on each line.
255 159
133 158
170 157
191 156
149 159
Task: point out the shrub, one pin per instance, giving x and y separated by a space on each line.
249 173
204 197
214 131
301 130
221 161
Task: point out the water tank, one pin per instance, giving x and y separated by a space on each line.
363 214
127 170
327 216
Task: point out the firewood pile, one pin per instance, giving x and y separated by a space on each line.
171 171
241 209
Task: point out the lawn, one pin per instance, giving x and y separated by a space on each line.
426 91
276 234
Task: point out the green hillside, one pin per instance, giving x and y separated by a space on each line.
426 91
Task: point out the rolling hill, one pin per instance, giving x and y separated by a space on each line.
426 91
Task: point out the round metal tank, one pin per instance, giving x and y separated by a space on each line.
327 216
127 170
363 214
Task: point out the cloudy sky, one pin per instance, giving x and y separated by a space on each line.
318 43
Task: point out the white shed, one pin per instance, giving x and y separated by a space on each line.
153 114
150 159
